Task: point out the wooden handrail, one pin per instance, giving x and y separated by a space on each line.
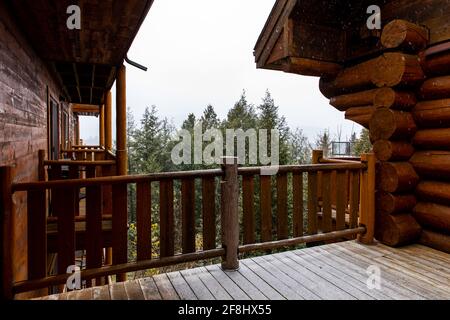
115 180
305 168
271 245
179 175
86 147
83 151
79 163
24 286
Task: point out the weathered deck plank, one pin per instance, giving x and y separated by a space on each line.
333 271
309 279
149 288
200 290
273 281
218 286
165 288
263 286
228 285
398 277
181 286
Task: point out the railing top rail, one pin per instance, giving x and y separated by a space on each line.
335 160
115 180
179 175
87 146
305 168
83 150
79 162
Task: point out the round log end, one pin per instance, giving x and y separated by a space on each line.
382 124
394 34
387 177
397 230
385 97
396 177
403 34
383 150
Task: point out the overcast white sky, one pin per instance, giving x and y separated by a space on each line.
200 52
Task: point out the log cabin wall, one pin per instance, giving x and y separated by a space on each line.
403 98
432 143
26 84
395 82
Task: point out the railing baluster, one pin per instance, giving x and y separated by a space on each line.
282 214
327 221
341 198
144 220
63 200
37 234
188 214
266 208
312 203
209 212
166 223
248 201
354 198
229 216
94 235
297 215
120 226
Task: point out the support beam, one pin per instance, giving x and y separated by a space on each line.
121 122
108 121
101 120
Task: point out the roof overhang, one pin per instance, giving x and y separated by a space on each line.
85 61
318 37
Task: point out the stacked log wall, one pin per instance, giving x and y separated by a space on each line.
25 83
380 94
432 143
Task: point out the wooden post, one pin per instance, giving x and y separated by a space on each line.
108 121
77 131
101 126
367 202
230 220
121 122
41 167
6 253
317 155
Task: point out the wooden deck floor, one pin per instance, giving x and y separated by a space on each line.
335 271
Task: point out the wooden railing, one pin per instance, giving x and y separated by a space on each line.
86 153
95 236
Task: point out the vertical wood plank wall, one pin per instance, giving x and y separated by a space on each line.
25 85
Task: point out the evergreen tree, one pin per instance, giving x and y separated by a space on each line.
241 116
362 144
323 142
210 119
269 119
299 147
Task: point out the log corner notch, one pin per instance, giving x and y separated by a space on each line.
401 34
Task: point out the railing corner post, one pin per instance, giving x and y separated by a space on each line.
367 211
229 215
317 155
6 211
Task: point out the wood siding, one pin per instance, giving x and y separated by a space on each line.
25 85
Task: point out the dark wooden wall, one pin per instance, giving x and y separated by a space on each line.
25 84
